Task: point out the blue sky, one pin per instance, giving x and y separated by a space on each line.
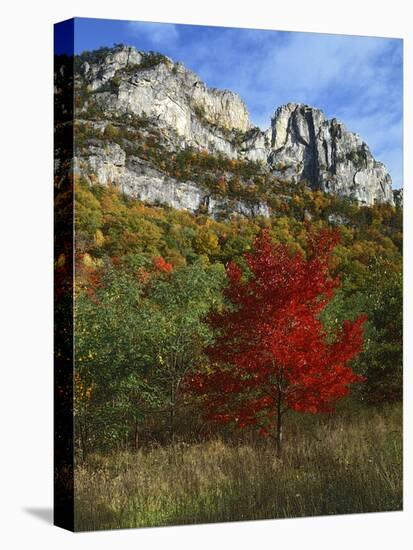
356 79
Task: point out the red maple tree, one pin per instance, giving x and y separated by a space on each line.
272 352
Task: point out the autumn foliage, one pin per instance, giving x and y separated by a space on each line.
161 265
272 352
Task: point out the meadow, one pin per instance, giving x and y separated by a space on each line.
349 462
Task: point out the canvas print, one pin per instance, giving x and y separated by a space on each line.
228 274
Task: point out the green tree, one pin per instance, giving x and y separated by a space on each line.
136 340
382 360
177 333
380 296
112 395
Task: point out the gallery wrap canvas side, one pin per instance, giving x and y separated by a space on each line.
64 276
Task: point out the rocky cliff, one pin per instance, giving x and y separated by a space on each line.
304 145
124 96
131 82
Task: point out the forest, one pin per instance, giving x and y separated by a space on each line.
235 368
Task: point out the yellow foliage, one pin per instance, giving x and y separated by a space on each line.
82 392
88 260
206 242
99 238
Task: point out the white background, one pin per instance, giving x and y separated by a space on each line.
26 273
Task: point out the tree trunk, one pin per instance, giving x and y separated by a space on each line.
279 433
172 412
83 444
172 424
136 437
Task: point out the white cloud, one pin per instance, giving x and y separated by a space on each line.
160 34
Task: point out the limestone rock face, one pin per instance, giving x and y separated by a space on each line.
300 144
170 93
98 73
109 165
307 146
256 146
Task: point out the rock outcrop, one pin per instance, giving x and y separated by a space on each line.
109 165
153 85
300 144
306 146
101 70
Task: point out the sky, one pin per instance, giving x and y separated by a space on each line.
357 79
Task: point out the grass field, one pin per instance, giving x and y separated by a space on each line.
344 463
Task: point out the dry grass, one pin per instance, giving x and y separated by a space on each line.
345 464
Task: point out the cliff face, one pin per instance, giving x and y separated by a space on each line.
300 145
170 94
139 179
324 153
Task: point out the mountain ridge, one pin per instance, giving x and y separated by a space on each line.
300 146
